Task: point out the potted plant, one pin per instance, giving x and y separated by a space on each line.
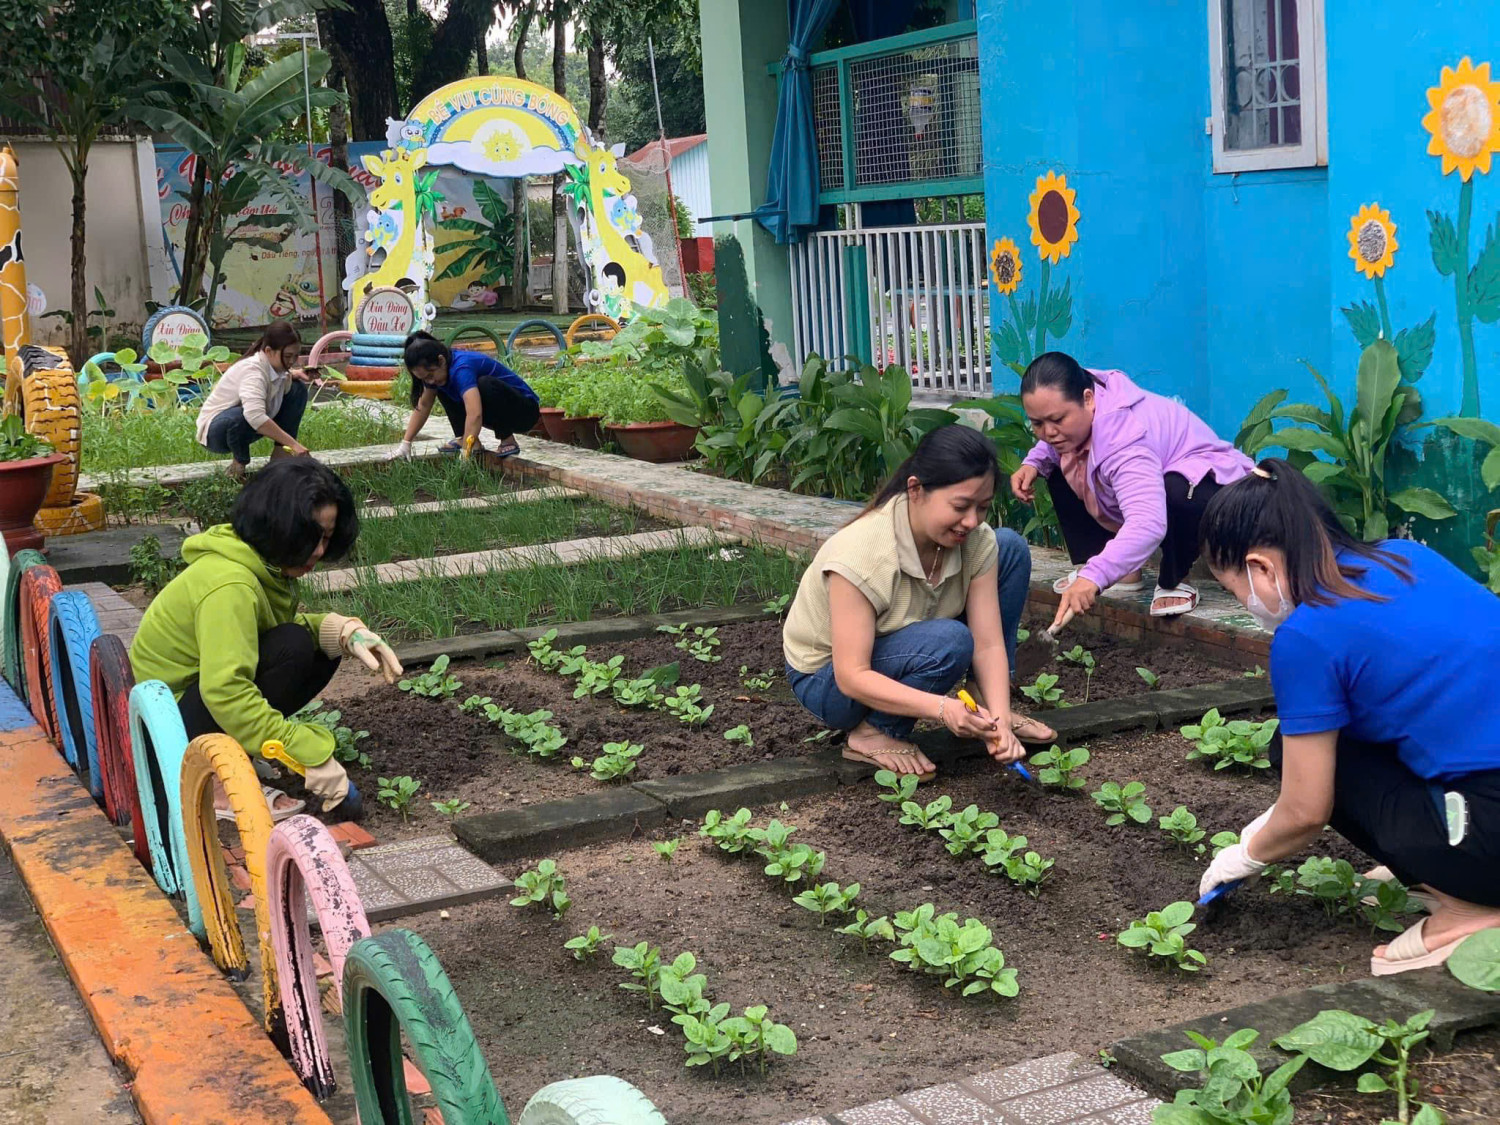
548 382
26 464
635 418
582 402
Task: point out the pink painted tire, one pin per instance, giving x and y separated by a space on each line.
315 356
302 862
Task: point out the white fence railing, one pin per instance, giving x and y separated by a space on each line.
915 296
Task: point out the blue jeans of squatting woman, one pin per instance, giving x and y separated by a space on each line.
929 655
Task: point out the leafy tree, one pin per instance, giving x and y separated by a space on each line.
679 72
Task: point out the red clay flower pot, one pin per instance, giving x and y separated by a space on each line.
23 486
553 426
587 431
655 441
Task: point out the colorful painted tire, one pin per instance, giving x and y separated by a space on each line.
37 587
475 328
392 354
79 516
158 742
15 663
601 1100
50 405
377 339
546 327
380 389
359 373
303 862
110 681
592 326
320 349
72 626
207 757
411 994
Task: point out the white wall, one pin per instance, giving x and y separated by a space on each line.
123 222
690 184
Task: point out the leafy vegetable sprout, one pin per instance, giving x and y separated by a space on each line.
965 832
396 793
1221 840
1123 802
686 705
641 692
1256 673
776 606
1230 743
1163 933
794 863
1343 1041
435 683
740 734
643 961
962 955
475 704
1233 1090
732 834
868 929
543 653
702 645
1340 890
1026 869
1044 692
931 816
666 849
757 1036
532 730
1182 826
345 741
824 899
595 678
451 807
1084 659
898 786
757 681
1152 680
585 945
682 990
617 761
1059 767
543 886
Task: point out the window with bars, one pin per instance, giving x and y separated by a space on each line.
1266 76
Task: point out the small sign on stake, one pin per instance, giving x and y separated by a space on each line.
386 312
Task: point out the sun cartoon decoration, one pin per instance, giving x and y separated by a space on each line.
1053 218
1005 266
501 146
1465 118
1372 240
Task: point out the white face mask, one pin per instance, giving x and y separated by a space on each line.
1269 619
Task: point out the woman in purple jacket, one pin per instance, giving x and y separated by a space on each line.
1129 471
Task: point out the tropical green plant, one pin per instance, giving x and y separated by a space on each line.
617 761
1343 1041
824 899
740 430
868 929
732 834
655 342
189 365
1060 767
1163 933
1233 1091
1182 826
585 945
450 807
544 886
435 683
1044 692
1013 439
1230 742
485 250
1123 802
1355 444
397 792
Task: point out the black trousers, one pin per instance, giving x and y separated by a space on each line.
506 411
290 672
1086 537
1387 811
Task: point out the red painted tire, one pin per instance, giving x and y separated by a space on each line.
362 374
111 679
37 587
303 862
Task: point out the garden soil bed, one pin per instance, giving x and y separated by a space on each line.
868 1030
1464 1083
468 758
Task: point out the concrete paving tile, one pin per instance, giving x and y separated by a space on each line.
1023 1078
1058 1104
888 1112
952 1105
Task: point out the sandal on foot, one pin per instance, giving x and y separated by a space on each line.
508 449
270 792
1062 584
873 760
1028 729
451 446
1408 951
1181 590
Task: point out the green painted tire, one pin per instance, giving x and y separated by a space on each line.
10 612
393 983
601 1100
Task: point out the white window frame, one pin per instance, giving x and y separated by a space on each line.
1313 150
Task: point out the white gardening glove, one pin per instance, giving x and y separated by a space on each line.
1235 862
329 781
402 452
349 636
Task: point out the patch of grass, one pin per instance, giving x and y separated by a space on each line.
487 529
411 482
650 583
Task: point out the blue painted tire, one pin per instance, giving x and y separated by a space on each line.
377 340
600 1100
15 673
384 357
527 326
155 317
72 626
158 742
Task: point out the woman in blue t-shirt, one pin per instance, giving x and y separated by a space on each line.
477 393
1383 664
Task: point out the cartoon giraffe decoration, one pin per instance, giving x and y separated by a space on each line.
613 241
14 331
408 251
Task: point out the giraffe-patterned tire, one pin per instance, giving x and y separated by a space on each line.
303 863
50 405
158 742
37 587
601 1100
72 626
110 681
411 993
10 616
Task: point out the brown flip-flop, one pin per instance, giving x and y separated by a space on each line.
1017 722
856 756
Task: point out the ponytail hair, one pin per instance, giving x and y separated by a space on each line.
423 349
279 334
1276 506
947 455
1060 371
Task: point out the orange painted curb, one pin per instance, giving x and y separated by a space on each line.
163 1010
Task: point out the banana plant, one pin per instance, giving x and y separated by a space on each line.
877 410
1353 445
1012 437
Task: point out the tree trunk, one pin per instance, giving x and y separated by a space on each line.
452 44
521 272
190 284
343 210
78 338
359 42
598 86
559 204
213 223
482 51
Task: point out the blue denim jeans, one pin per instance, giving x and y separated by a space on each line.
928 655
230 433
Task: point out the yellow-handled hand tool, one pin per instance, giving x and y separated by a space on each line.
468 447
274 750
968 701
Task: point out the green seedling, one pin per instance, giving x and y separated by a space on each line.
1233 1091
681 988
1476 962
644 964
756 681
686 706
824 899
1228 743
1084 659
541 650
1182 826
1341 890
703 645
397 792
1059 767
532 730
596 678
451 807
617 761
1123 802
666 849
435 683
1044 692
574 661
794 864
1392 903
705 1040
1221 840
933 815
149 567
965 831
732 834
475 704
756 1035
898 786
544 886
1163 934
776 606
345 741
1009 854
962 955
1153 681
1342 1041
586 945
868 929
641 692
740 734
820 736
672 630
1255 673
773 839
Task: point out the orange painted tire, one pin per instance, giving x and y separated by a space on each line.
49 403
361 374
37 587
84 514
592 326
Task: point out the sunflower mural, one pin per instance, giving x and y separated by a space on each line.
1463 119
1373 246
1053 219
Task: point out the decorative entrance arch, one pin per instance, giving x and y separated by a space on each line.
500 127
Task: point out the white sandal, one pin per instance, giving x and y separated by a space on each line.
1062 584
1181 590
270 793
1408 951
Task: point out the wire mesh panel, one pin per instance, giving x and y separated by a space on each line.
828 126
916 114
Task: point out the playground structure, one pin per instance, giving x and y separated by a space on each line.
503 128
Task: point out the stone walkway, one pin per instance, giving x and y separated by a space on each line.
1060 1089
116 615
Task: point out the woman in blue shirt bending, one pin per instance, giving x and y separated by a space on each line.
1383 664
477 393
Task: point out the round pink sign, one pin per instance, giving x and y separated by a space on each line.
386 312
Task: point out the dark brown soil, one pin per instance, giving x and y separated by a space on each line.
866 1029
1116 662
1464 1084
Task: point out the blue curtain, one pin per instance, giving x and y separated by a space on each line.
791 205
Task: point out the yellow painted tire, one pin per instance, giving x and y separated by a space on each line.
84 514
367 388
592 326
49 403
217 755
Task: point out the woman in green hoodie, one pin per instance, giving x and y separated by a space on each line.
226 637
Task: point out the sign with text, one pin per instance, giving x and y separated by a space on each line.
386 312
171 326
